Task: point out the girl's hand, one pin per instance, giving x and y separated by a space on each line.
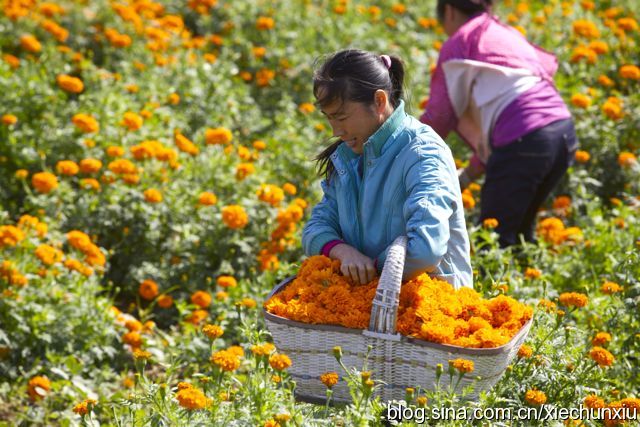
360 268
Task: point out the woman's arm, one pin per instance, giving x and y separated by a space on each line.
324 224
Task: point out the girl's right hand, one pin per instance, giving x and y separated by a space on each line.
359 267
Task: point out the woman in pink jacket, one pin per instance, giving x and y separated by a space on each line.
495 90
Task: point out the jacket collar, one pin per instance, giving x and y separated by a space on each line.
378 139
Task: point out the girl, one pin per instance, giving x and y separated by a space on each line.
387 175
496 91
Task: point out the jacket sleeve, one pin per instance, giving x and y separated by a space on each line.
324 224
430 203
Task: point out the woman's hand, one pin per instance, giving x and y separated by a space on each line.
354 264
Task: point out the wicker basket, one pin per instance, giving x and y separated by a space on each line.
398 361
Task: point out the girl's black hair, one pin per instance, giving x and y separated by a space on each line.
468 7
354 75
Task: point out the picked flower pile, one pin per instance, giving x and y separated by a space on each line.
429 309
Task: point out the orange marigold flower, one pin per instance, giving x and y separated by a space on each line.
573 299
524 352
67 167
532 273
141 354
38 387
583 52
84 407
10 235
601 356
259 145
192 399
585 28
30 43
611 288
173 99
69 83
165 301
234 216
115 151
582 156
48 254
307 107
605 81
329 379
265 23
599 46
467 199
152 195
490 223
44 182
243 170
462 365
226 360
9 119
628 24
148 289
626 159
201 298
631 72
131 121
263 350
13 61
197 316
593 401
248 303
580 100
212 331
279 362
90 165
218 136
264 76
535 397
85 122
271 194
132 338
601 338
226 282
612 108
207 199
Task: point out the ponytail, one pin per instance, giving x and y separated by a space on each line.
468 7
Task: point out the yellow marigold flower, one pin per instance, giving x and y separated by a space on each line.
192 399
131 121
69 83
67 167
265 23
490 223
524 352
152 195
90 165
263 350
234 216
212 331
48 254
289 188
173 99
148 289
10 235
601 356
226 360
532 273
630 72
201 298
85 122
30 43
593 401
9 119
115 151
226 282
218 136
44 182
141 354
462 365
626 159
248 303
573 299
207 199
601 338
580 100
582 156
306 108
611 288
38 387
279 362
84 407
222 296
535 397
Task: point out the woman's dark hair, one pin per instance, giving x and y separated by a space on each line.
355 75
468 7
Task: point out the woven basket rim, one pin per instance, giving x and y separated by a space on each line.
505 348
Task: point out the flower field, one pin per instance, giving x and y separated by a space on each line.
156 171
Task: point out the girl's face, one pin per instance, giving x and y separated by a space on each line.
353 122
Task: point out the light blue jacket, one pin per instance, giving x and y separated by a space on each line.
409 186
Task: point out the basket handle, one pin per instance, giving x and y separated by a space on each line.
384 311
